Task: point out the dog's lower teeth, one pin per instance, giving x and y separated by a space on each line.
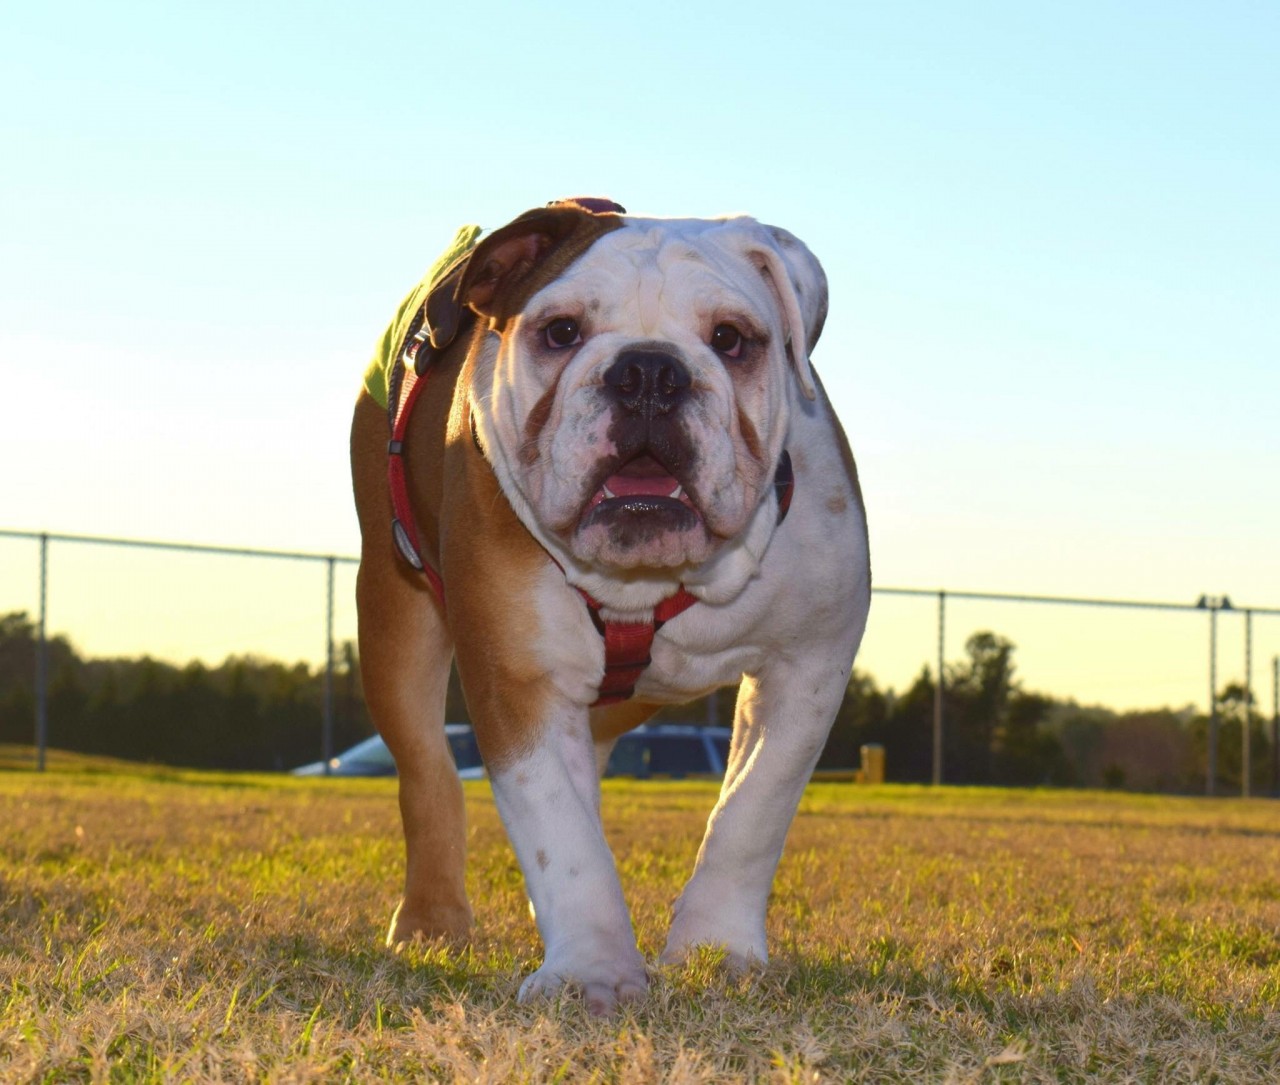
677 493
608 492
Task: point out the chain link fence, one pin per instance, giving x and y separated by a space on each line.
118 598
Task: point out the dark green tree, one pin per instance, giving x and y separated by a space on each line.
1233 712
1026 752
976 702
861 719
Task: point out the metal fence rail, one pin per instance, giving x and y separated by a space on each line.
44 538
1212 605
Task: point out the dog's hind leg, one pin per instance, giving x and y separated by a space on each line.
405 653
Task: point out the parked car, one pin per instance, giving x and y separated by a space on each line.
667 750
372 758
672 750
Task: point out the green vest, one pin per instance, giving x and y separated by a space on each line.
377 377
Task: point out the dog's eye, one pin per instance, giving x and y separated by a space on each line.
562 332
727 340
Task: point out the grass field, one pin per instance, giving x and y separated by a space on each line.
175 926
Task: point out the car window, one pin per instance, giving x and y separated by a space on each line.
677 755
466 751
373 754
628 758
642 754
722 750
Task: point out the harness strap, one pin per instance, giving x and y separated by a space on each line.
627 644
406 386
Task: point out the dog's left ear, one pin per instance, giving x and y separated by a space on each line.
800 285
500 276
443 312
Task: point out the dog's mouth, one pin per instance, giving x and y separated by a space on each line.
642 489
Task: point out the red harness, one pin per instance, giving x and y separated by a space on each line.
626 644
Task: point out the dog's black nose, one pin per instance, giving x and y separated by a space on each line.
647 382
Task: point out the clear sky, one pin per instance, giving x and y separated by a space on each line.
1052 234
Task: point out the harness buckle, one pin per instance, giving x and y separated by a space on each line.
405 545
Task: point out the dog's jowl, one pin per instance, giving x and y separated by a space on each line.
593 464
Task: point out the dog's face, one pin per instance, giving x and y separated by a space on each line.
635 389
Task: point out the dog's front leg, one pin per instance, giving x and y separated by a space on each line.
549 798
782 720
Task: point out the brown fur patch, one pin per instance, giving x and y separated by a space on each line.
750 437
404 666
515 262
490 565
610 721
534 424
470 534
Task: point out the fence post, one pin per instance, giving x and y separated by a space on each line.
42 661
937 691
1246 739
1275 725
326 738
1211 771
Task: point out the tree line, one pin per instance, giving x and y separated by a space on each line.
262 714
246 713
996 732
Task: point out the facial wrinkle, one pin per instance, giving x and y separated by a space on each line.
649 300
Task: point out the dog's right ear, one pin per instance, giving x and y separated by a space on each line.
513 263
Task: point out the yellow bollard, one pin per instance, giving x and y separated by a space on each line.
872 764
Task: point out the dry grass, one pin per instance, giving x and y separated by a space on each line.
185 927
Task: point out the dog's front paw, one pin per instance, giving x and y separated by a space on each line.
450 923
741 937
607 983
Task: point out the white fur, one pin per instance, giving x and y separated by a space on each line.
549 800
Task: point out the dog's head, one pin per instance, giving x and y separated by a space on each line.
632 388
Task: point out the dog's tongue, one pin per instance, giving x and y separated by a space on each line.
643 477
641 485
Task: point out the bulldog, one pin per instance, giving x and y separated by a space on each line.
619 486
